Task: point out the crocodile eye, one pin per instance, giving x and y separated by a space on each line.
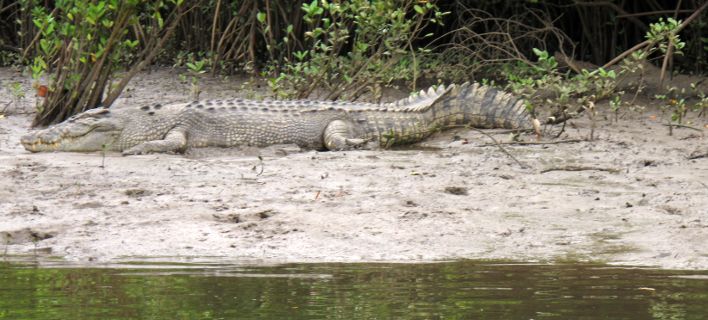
103 127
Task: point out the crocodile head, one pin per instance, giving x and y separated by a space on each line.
93 130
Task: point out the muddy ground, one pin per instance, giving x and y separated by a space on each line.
456 196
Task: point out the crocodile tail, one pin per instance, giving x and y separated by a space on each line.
420 101
481 106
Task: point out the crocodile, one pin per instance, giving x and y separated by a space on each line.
322 125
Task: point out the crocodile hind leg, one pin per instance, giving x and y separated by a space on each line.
175 141
338 136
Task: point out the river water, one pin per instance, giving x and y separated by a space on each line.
152 289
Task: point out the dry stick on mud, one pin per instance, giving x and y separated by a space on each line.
5 107
260 163
535 142
581 168
523 166
697 155
683 126
496 143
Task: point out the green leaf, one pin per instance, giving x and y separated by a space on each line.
261 16
419 9
158 17
541 54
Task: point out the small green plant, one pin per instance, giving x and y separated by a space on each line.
664 34
589 106
9 58
104 147
246 90
534 82
615 104
18 94
196 68
675 105
701 106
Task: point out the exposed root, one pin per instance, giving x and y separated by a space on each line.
683 126
535 142
523 166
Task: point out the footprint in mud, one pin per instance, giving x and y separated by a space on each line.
413 215
245 217
26 210
25 235
137 193
25 171
458 191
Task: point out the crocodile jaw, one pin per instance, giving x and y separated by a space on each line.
49 140
87 132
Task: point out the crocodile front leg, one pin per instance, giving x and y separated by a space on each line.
338 136
175 141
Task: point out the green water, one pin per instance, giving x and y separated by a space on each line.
455 290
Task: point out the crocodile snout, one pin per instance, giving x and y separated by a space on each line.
29 141
41 140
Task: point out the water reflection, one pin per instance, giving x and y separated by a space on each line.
451 290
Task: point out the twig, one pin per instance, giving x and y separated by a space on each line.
261 163
652 13
213 26
580 168
647 43
678 6
500 147
615 7
6 106
683 126
697 155
10 48
668 57
534 142
505 131
561 130
665 64
9 6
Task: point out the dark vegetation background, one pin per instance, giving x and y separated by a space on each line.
85 52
